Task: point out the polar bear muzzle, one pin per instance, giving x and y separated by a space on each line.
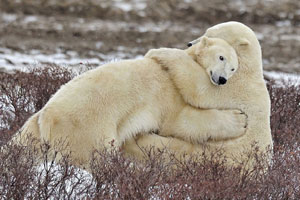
217 80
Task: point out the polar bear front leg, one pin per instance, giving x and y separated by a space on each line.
199 125
169 57
188 76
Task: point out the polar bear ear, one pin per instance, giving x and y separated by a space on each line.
242 42
205 41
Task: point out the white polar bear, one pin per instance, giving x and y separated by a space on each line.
246 90
113 103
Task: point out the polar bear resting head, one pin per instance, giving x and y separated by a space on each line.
218 58
243 40
215 55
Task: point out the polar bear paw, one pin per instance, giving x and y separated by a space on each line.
235 123
166 55
228 124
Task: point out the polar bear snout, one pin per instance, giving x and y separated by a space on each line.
222 80
217 80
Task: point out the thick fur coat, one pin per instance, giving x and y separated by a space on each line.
113 103
246 91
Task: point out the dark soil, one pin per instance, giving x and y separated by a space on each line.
108 30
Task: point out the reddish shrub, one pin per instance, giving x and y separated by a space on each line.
22 94
117 177
285 114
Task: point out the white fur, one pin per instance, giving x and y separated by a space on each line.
246 91
113 103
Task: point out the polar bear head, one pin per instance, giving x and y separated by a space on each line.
245 43
218 58
243 40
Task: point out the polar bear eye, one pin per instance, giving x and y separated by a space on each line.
221 58
232 69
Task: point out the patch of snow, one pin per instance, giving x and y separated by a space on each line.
259 36
58 27
293 79
196 30
10 59
266 61
121 48
126 7
139 57
81 176
140 5
72 53
282 14
283 23
30 18
290 37
150 27
81 20
8 18
99 44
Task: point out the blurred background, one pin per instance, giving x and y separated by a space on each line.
78 32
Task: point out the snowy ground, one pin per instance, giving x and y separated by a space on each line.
71 33
288 78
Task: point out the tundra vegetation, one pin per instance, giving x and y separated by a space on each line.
114 176
95 31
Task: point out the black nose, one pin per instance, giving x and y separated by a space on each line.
222 80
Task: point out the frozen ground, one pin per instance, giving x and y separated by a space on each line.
72 33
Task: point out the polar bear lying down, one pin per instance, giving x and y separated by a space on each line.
115 102
246 91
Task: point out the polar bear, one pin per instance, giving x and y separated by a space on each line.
106 106
246 91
